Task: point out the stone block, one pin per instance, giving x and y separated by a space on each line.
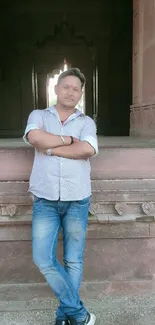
152 229
127 259
123 230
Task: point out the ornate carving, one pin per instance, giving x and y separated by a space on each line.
65 34
9 210
121 208
148 208
93 208
102 211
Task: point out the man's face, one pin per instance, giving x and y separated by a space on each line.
69 91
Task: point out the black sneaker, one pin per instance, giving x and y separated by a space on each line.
90 320
61 322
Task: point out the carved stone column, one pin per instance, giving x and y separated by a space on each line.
142 115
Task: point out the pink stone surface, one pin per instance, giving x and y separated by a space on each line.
15 164
20 231
148 51
142 117
152 230
124 163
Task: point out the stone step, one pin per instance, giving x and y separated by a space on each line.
22 295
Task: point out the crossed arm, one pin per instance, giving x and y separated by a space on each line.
43 140
77 150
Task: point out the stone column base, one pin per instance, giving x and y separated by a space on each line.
142 120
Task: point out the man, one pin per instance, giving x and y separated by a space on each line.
64 140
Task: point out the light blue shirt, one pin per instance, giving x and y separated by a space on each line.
53 177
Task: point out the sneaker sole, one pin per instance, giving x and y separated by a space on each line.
92 319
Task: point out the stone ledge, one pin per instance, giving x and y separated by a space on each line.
22 231
93 219
25 296
104 142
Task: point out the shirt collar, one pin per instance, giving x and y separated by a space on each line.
53 110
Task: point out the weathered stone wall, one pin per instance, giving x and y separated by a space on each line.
121 234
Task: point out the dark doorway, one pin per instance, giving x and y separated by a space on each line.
98 41
116 78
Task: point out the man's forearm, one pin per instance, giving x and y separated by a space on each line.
44 140
79 150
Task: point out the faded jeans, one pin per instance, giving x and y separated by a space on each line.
48 218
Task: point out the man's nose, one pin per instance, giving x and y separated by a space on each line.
69 92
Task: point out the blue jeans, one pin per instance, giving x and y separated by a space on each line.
48 218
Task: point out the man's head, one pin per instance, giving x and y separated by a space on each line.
69 87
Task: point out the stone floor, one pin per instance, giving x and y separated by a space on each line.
110 310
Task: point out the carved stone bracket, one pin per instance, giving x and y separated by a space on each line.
121 208
148 208
122 211
93 208
9 210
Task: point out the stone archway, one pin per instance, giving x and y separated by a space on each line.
49 54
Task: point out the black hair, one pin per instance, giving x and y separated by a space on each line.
73 72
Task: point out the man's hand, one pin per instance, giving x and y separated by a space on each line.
79 150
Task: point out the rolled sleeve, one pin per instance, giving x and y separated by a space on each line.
35 122
93 142
89 134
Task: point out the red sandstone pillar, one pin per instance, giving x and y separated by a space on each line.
142 115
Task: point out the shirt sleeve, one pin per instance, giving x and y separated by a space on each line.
35 122
89 133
